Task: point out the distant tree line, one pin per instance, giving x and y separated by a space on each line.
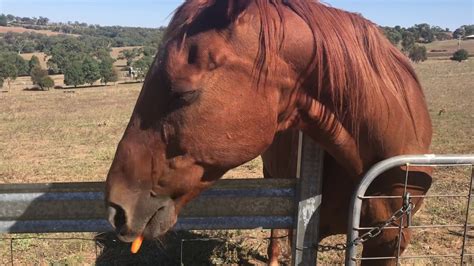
85 59
116 36
408 39
15 20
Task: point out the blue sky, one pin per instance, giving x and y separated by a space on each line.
154 13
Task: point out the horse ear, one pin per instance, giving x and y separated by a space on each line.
236 7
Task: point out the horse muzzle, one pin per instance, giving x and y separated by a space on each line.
151 217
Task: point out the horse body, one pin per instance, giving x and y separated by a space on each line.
240 64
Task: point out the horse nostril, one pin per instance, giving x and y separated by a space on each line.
117 216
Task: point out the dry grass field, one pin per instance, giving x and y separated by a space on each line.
4 29
71 135
445 49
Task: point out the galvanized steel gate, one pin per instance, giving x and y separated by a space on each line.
407 161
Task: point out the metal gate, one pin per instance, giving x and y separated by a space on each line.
411 160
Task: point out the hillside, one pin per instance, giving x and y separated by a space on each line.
447 48
4 29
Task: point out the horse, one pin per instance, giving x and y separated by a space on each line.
234 79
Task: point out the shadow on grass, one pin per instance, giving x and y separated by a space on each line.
176 248
35 89
130 82
81 87
166 251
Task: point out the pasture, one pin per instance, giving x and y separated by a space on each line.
71 135
4 29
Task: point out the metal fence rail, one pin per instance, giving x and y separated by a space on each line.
381 167
79 207
229 204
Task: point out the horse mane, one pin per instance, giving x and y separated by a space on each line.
355 66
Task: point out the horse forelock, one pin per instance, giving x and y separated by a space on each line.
355 65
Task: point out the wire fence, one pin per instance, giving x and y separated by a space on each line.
435 219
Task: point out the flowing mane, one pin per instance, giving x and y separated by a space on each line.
356 67
235 79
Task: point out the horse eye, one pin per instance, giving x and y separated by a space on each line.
192 57
182 99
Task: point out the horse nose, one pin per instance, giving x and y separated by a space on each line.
117 217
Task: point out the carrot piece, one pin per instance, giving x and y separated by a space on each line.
137 243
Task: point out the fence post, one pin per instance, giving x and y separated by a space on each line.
309 174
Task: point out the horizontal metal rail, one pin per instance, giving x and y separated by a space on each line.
377 170
417 196
416 226
415 257
79 207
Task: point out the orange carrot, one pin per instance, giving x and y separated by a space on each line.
137 244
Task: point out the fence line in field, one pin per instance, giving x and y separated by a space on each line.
230 204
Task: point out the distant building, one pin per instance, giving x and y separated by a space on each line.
470 37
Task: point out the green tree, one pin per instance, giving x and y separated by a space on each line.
67 51
1 82
469 29
3 20
460 55
142 66
46 83
34 62
107 71
9 67
42 21
91 70
40 77
129 55
37 73
149 51
73 74
418 54
13 59
408 41
459 33
393 35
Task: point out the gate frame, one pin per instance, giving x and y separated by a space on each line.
383 166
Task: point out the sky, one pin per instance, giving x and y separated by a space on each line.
154 13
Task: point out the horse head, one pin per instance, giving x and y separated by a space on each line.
206 107
230 74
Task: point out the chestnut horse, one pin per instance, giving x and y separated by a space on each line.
235 79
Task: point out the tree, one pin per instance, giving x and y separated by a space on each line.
107 71
40 77
129 55
1 82
459 33
142 66
3 20
408 41
14 60
9 67
42 21
460 55
37 73
34 62
46 82
148 51
73 74
91 70
66 51
394 35
418 54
